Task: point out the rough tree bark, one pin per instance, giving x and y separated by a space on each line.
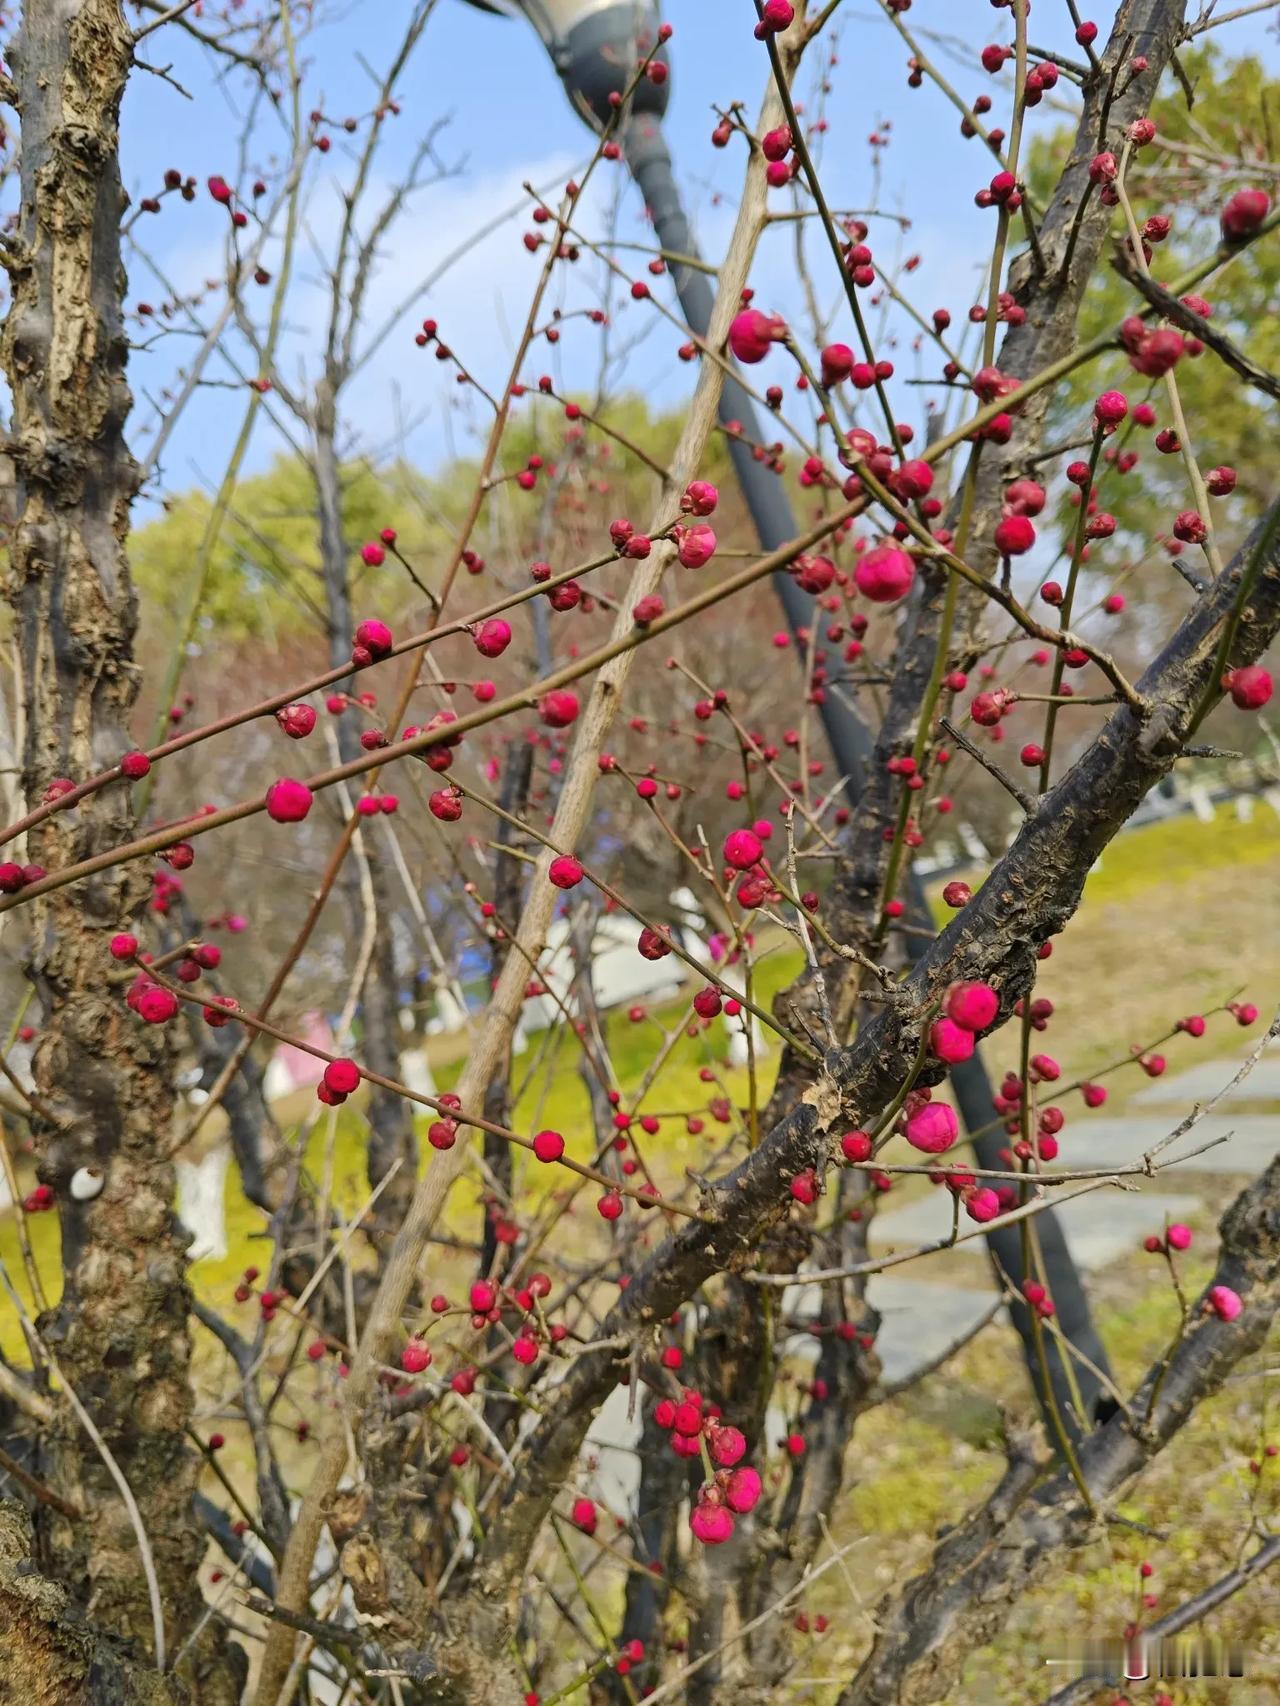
1030 895
51 1655
1050 287
120 1330
998 1553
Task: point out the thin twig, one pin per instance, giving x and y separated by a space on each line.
24 1397
168 17
1024 798
1176 311
675 1684
37 1488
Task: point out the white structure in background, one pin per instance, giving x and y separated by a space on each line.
417 1072
291 1068
201 1178
201 1202
18 1061
945 853
451 1015
1201 803
739 1053
710 951
620 973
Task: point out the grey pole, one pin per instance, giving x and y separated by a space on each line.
593 57
852 746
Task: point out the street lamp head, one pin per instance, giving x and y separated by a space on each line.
595 46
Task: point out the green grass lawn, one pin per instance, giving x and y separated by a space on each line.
1163 931
552 1094
1160 886
1182 850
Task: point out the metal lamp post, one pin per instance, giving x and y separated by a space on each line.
593 46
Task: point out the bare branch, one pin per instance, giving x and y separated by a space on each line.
1024 798
962 1598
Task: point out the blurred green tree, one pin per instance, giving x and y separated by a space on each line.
1206 147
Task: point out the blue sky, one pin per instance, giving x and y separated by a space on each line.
508 122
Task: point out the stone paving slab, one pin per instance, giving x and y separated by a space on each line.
1198 1083
1254 1139
1099 1227
921 1320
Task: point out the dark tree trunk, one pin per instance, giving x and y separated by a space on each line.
391 1136
983 1566
516 776
257 1143
120 1332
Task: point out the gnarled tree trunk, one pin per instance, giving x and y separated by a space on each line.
120 1332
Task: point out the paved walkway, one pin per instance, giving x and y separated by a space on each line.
922 1318
1099 1227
